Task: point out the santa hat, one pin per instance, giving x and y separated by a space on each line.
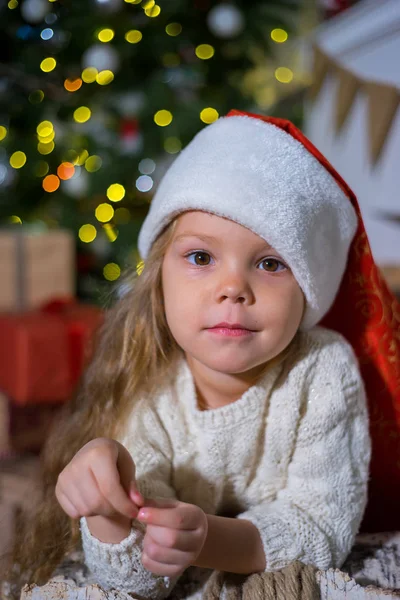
263 173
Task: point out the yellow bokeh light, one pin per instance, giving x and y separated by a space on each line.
17 159
284 75
115 192
36 97
15 219
148 4
173 29
93 163
82 114
51 183
106 35
104 212
3 132
205 51
72 85
122 216
87 233
279 35
133 36
133 1
44 128
12 4
48 64
209 115
110 231
154 11
46 139
89 74
45 148
163 118
79 158
172 145
41 168
140 267
111 271
105 77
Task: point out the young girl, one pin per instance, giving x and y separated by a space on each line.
218 425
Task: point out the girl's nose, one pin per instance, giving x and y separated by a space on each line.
235 288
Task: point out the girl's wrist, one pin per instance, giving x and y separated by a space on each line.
110 530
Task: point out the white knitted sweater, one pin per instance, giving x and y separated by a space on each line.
291 456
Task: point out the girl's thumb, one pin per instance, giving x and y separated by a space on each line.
134 494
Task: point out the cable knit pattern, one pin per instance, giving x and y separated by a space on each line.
291 455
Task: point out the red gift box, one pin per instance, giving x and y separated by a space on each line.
43 352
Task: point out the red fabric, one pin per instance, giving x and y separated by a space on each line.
42 353
367 314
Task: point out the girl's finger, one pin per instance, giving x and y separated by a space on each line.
67 506
181 539
160 568
92 496
110 487
181 517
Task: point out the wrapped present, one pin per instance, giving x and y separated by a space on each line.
43 352
35 267
24 428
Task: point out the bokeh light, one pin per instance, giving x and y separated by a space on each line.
115 192
87 233
172 145
122 216
15 219
12 4
89 74
47 34
66 170
17 159
106 35
110 231
93 163
104 212
205 51
284 75
133 36
163 118
36 97
144 183
3 132
104 77
73 85
140 267
279 35
111 271
153 11
209 115
48 64
45 148
51 183
82 114
45 128
41 168
173 29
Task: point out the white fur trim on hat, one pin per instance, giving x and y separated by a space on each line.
259 176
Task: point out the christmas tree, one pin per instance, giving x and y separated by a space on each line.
99 96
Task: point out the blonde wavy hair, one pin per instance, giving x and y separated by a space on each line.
134 355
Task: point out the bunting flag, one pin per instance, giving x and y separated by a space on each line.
383 100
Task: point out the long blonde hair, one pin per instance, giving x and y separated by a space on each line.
134 353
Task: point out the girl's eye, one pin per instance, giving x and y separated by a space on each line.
201 259
272 265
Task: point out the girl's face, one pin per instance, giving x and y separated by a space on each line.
216 271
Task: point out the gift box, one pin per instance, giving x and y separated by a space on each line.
43 352
35 267
24 429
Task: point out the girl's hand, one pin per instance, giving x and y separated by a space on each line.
175 535
99 480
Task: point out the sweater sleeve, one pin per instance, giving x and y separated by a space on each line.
119 566
316 516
